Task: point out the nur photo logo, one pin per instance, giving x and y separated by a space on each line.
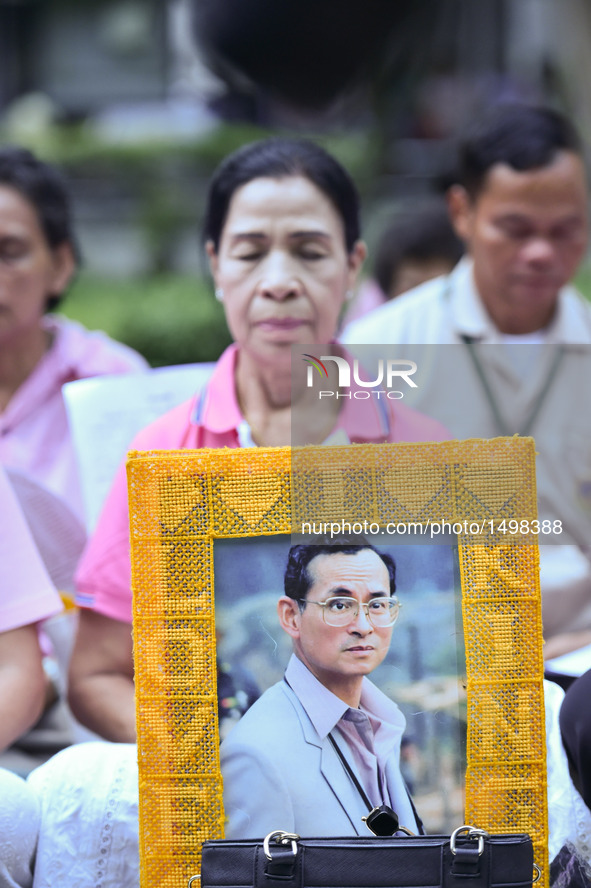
390 373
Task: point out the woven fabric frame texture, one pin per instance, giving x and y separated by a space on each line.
182 501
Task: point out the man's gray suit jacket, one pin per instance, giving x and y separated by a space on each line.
279 774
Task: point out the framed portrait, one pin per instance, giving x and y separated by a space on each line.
211 533
419 671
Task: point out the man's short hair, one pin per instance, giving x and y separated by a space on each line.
419 232
524 137
297 580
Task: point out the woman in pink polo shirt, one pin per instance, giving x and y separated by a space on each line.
39 352
283 241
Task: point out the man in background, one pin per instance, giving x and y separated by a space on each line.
520 206
521 332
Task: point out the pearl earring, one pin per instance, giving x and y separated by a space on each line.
219 294
349 295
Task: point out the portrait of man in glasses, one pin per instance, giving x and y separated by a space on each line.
321 748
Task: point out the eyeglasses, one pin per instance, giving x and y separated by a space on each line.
340 611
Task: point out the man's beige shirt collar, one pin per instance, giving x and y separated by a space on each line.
571 323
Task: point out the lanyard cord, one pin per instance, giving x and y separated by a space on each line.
350 772
361 791
343 761
356 782
501 424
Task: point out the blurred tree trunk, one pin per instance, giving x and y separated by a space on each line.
570 30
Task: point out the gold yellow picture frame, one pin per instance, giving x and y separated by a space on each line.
182 501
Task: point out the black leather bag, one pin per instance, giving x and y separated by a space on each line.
469 858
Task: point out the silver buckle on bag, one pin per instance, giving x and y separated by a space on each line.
279 837
470 832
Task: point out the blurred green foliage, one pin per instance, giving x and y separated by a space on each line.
70 145
76 147
170 319
583 280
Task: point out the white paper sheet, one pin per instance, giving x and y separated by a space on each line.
106 412
574 663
